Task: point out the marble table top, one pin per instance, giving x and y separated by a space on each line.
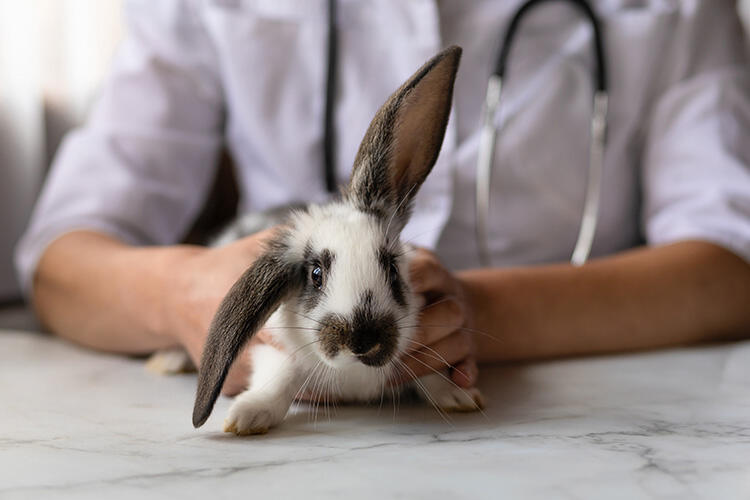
671 424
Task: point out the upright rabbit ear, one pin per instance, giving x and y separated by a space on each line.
247 306
404 139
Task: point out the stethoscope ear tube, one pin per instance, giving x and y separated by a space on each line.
594 182
488 137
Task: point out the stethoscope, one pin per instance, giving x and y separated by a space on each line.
488 133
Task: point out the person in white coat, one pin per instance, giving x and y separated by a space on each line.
670 260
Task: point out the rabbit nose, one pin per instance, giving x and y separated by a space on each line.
363 342
373 341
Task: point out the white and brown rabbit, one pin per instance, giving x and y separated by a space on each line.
332 286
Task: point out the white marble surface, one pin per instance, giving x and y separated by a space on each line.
672 424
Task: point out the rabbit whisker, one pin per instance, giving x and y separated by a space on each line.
318 393
381 377
323 397
328 394
460 328
395 394
307 380
434 228
313 393
436 356
388 381
305 316
325 391
335 391
417 313
427 394
309 328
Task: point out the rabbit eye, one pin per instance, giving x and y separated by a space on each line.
316 277
394 270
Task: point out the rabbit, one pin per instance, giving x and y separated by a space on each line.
331 288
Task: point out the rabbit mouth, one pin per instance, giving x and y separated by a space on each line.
375 356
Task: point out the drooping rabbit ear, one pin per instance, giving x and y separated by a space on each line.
403 141
244 310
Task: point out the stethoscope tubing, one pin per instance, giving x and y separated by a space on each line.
597 145
488 131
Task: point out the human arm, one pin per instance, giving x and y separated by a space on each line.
99 292
645 298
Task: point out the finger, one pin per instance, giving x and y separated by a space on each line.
427 274
437 321
465 373
442 355
263 235
252 246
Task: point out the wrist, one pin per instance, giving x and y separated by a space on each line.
486 311
167 288
475 299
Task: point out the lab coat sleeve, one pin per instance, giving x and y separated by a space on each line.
140 168
696 164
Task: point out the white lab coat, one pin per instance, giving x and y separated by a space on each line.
194 75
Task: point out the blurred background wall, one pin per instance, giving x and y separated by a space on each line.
53 56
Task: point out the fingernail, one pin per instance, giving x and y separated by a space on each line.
466 374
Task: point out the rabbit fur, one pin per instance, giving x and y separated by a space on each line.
332 287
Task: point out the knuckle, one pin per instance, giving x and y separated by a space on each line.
417 273
431 260
424 259
421 252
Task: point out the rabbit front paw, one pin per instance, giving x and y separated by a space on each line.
253 414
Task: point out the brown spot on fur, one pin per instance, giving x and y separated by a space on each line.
333 335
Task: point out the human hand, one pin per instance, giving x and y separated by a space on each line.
443 338
198 281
